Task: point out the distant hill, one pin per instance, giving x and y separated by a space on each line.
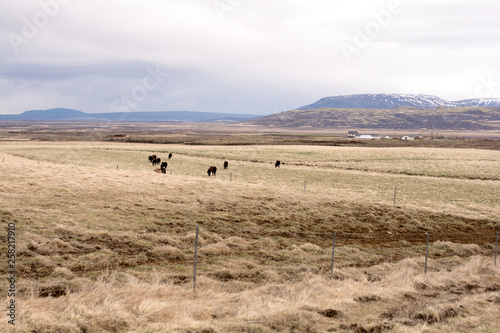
457 118
53 114
390 101
61 114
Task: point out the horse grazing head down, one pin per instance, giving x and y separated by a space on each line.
277 164
226 164
212 170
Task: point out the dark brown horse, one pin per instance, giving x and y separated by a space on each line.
212 170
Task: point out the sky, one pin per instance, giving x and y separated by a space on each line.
241 56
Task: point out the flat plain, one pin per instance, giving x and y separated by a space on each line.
106 244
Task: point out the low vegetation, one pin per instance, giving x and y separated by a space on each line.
105 244
441 118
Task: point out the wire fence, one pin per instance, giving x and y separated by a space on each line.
189 254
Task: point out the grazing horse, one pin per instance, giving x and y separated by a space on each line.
212 170
156 161
152 158
164 165
170 156
225 165
277 164
161 170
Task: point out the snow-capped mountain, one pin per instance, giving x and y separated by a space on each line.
484 102
389 101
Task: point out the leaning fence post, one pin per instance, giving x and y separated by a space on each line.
195 257
117 167
333 255
231 177
426 252
496 249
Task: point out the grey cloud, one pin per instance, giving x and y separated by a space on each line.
263 56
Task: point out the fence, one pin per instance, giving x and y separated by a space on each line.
141 256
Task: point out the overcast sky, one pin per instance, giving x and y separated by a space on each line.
241 56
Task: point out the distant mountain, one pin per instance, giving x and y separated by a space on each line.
457 118
61 114
53 114
390 101
484 102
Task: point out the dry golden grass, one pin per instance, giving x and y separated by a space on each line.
394 298
442 180
105 249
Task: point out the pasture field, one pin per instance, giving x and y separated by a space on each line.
105 244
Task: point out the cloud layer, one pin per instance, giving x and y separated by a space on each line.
241 56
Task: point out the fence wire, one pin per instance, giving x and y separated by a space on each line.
146 257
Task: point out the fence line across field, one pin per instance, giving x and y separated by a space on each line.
183 257
400 238
327 234
177 257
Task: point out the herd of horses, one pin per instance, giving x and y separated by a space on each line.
212 170
155 160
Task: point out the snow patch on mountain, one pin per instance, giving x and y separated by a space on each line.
389 101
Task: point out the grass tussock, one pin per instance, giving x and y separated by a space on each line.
399 299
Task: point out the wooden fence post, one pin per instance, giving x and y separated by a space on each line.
231 177
195 257
496 249
426 252
333 254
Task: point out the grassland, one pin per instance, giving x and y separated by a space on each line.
105 244
457 118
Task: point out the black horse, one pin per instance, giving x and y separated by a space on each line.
225 165
212 170
277 164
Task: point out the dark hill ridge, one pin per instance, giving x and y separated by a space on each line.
54 114
457 118
61 114
389 101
